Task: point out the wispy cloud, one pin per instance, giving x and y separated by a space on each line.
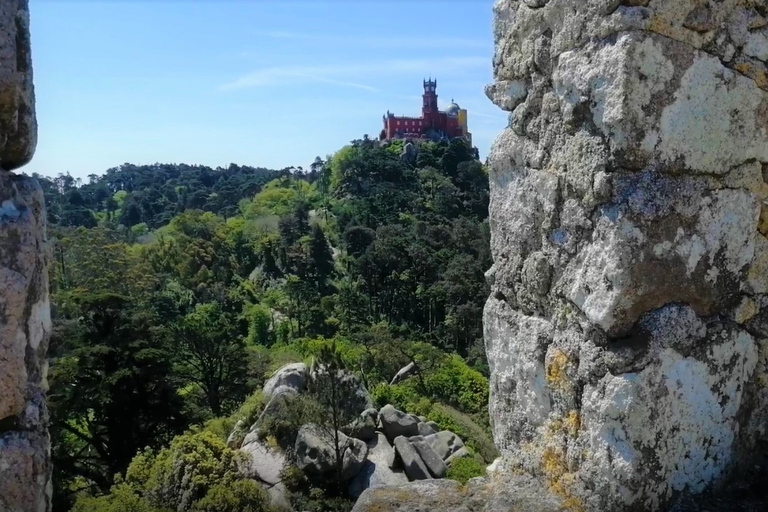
351 74
381 42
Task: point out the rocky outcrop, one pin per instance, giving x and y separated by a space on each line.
503 493
627 330
25 317
316 452
290 378
378 469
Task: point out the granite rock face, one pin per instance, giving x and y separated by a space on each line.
25 317
625 328
18 124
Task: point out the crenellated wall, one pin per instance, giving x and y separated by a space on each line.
627 329
25 319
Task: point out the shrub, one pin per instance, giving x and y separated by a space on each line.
468 430
454 382
464 468
122 498
198 472
242 496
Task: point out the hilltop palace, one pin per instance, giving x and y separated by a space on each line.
433 124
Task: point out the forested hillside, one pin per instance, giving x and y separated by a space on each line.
178 289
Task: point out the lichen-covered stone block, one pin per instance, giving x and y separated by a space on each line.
628 217
18 124
25 313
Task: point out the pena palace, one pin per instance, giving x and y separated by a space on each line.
432 124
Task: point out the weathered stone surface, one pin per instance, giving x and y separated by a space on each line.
514 493
377 470
445 443
18 124
404 373
264 463
396 423
412 464
25 326
431 459
458 454
356 397
293 376
364 428
628 225
425 429
316 452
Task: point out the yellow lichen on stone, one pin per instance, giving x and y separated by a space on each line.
745 311
557 376
750 70
554 467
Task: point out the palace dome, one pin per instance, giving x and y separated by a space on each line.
453 109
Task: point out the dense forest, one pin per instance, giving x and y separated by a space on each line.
178 289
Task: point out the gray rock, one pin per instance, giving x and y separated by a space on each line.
396 423
432 460
364 428
18 123
377 470
263 463
445 443
357 398
414 467
404 373
316 452
632 173
461 453
291 376
25 313
235 439
278 498
425 429
434 426
517 493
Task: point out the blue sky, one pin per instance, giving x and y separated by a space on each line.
255 82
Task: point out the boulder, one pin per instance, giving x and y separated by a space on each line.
278 498
377 470
425 429
432 460
412 464
280 398
291 376
433 425
356 396
445 443
396 423
235 439
364 428
404 373
515 493
316 452
263 462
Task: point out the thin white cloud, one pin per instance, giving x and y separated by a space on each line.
351 74
381 42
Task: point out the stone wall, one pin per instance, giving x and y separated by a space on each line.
627 329
25 320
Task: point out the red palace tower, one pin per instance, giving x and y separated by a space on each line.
433 124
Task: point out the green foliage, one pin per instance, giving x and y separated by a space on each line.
473 435
196 473
465 468
456 383
224 275
241 496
